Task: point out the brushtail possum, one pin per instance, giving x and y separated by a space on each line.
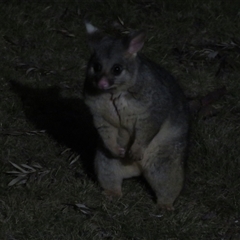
140 113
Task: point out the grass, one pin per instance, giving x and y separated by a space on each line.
44 123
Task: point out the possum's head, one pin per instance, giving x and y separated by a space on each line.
113 64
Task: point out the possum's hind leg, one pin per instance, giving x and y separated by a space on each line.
163 165
165 175
111 172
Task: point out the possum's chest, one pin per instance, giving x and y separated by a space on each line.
119 111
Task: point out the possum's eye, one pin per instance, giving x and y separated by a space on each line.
117 69
97 67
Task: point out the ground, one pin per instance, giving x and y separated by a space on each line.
47 187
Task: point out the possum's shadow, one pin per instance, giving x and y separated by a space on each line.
67 120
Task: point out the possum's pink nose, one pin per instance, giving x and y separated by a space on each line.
103 83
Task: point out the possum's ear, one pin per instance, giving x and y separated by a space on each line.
134 42
94 35
90 28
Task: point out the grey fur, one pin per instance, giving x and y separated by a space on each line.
141 116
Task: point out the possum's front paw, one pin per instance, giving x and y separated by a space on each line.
135 153
118 152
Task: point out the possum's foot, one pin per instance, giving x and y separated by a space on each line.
112 194
168 207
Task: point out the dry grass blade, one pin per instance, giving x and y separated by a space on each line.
27 173
74 160
120 21
17 133
31 69
18 167
64 32
66 150
16 180
37 165
81 207
22 181
156 215
28 167
13 172
36 132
